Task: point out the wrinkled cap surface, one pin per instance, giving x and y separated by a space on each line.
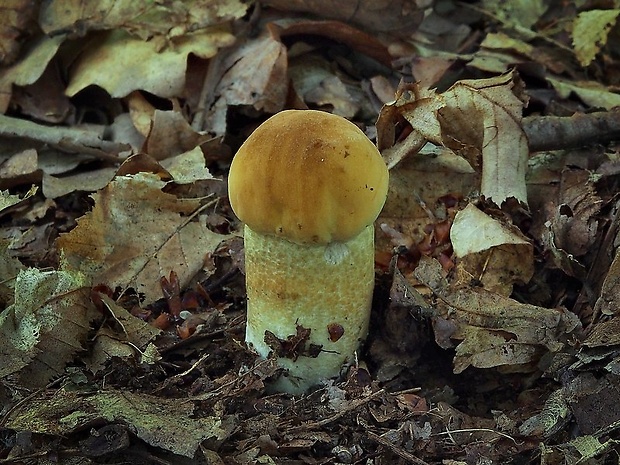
308 176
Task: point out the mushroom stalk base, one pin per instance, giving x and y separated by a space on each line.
292 288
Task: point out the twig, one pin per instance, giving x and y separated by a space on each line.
403 454
66 139
562 132
475 430
325 421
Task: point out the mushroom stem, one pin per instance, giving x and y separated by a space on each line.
293 288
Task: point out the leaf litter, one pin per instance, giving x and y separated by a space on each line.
494 338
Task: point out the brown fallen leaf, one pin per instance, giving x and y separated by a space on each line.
493 330
490 251
143 20
170 134
15 19
317 84
395 16
254 74
165 423
121 63
29 68
135 234
479 120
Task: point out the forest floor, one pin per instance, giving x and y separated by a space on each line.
493 336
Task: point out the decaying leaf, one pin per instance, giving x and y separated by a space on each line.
590 30
520 14
397 16
160 422
45 326
9 270
591 93
493 330
315 82
127 337
416 187
15 19
554 415
135 234
8 200
141 19
608 302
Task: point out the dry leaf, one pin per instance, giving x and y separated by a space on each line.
495 253
415 187
29 68
45 326
142 19
592 93
15 20
590 30
128 338
9 269
170 134
120 63
608 302
481 120
477 119
165 423
574 223
88 181
519 14
316 83
135 234
493 330
254 73
187 167
395 16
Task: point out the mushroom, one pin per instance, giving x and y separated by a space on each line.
308 185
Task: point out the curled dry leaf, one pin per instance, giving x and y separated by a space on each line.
127 337
135 234
479 120
255 75
490 251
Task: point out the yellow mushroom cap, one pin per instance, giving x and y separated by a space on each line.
308 176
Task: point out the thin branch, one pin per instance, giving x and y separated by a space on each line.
72 140
403 454
562 132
